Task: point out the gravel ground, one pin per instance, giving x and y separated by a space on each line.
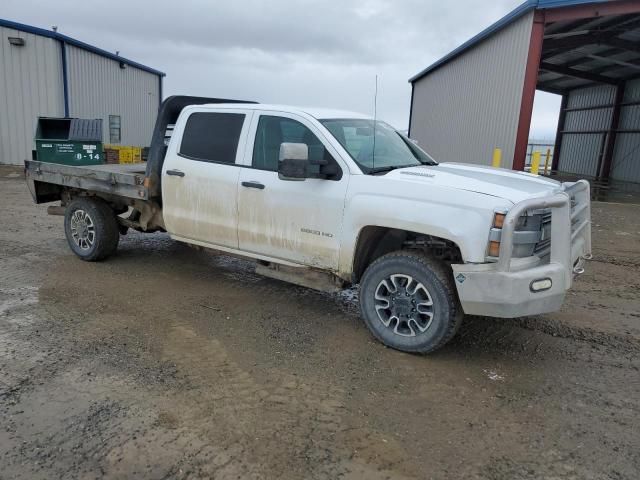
167 362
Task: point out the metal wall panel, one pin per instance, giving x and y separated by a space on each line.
626 161
30 86
592 96
629 117
580 152
625 165
632 91
98 87
582 120
471 105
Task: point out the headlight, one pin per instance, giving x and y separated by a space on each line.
526 236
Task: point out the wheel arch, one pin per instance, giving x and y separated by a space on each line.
375 241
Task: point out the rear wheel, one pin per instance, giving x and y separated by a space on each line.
409 303
91 228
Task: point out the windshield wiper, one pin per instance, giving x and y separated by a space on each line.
389 168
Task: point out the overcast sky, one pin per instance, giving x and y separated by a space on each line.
322 53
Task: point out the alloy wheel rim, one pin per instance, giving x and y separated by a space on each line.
404 305
83 231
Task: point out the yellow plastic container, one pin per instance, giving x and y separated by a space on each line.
136 154
126 155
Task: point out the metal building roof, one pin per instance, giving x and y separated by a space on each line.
76 43
590 51
516 13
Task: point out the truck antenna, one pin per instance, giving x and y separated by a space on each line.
375 117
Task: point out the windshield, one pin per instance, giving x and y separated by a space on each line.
392 149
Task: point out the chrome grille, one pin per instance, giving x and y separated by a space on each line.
543 247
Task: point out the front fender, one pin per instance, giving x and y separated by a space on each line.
466 223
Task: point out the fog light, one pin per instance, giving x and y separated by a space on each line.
540 285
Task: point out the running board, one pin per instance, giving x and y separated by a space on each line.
305 277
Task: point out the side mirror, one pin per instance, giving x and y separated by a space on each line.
294 158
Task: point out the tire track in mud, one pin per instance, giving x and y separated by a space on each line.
235 425
40 359
347 302
18 296
616 260
273 426
556 328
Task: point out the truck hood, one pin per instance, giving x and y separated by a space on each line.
497 182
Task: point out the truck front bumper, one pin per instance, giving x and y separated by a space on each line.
515 287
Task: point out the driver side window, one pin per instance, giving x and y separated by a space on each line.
272 131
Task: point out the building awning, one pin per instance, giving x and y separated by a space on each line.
588 52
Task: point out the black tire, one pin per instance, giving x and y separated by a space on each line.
411 329
100 239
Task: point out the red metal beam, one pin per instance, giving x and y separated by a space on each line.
529 90
602 9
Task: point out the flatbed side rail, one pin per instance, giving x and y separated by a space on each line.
128 185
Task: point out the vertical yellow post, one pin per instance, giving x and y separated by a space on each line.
546 160
497 158
535 162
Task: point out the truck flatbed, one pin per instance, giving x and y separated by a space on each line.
124 180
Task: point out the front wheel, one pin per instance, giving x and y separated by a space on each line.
409 303
91 228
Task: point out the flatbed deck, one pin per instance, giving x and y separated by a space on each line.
125 180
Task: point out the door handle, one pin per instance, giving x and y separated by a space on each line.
257 185
175 173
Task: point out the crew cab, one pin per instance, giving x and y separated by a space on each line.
330 199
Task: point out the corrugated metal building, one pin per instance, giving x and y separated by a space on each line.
46 74
480 96
585 133
462 111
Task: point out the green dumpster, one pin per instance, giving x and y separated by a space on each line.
70 141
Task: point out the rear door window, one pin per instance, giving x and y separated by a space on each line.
212 136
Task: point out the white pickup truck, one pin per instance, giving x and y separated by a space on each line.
329 199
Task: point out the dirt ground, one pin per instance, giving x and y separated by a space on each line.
167 362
